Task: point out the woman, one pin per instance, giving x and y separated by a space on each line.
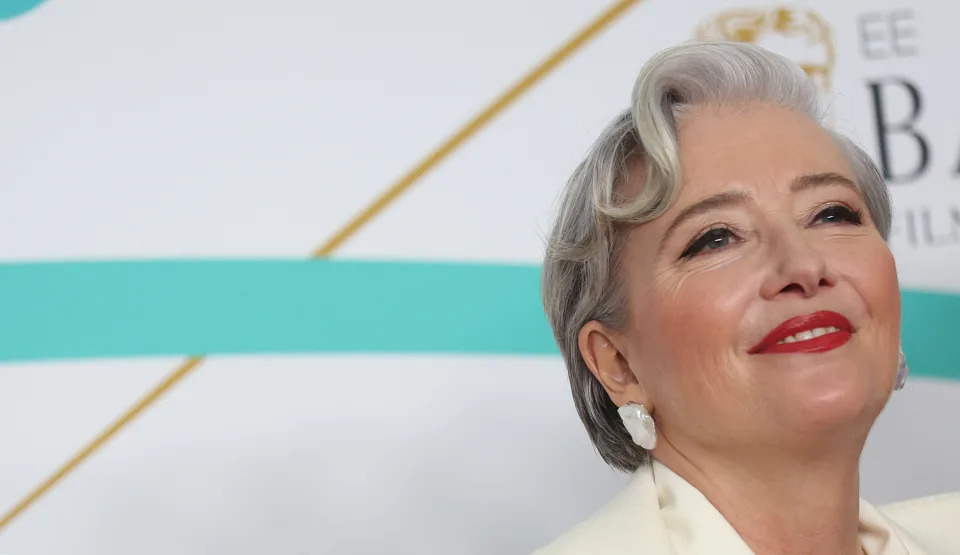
728 310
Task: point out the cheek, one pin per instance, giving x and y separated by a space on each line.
704 309
888 286
873 273
705 303
868 265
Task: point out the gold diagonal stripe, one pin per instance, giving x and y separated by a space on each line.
508 97
148 398
401 185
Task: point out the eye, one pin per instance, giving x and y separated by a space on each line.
838 214
713 239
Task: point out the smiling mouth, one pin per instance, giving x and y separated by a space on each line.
808 335
812 333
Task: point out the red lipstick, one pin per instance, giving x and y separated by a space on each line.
826 342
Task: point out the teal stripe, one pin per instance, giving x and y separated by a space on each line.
929 326
155 308
113 309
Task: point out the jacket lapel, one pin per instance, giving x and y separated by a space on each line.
692 524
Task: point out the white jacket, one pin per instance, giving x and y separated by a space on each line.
661 513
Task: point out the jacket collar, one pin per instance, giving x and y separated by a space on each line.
660 508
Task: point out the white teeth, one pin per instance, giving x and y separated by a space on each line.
808 334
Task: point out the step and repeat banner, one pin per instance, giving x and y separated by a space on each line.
177 181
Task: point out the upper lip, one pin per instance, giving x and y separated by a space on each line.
797 324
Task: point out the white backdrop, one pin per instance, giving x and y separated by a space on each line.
208 130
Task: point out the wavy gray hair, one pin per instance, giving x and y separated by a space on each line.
580 271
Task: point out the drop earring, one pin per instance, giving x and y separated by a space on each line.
902 371
640 424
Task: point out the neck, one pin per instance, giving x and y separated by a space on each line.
784 506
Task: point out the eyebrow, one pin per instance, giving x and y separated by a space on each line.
812 181
735 196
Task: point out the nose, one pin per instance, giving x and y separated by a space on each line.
797 267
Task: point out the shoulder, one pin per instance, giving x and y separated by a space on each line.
933 522
586 537
612 531
628 521
608 531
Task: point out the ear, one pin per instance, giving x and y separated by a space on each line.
599 349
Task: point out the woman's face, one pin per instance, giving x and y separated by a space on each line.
768 231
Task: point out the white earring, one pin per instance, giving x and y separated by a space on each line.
902 371
640 424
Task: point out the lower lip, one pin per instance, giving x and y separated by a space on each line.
820 344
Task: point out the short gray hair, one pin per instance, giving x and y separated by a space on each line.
580 271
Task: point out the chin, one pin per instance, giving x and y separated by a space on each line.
839 402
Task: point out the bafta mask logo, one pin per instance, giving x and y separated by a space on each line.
797 33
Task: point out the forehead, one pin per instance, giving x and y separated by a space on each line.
757 147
